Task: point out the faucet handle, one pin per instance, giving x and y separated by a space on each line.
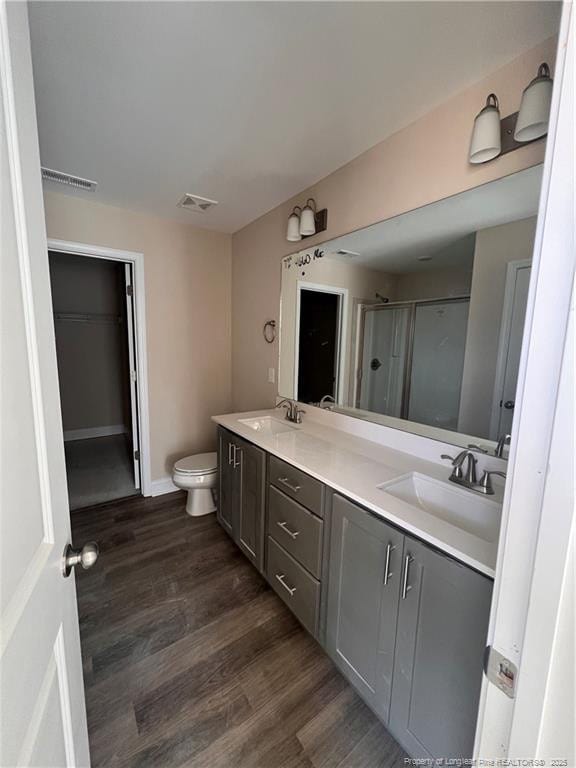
456 463
486 482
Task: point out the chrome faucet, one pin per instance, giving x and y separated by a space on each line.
502 441
293 412
327 402
468 478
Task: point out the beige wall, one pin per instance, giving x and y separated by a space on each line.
495 247
92 356
424 162
188 299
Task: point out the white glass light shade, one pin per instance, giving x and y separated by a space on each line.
293 229
308 220
534 111
485 144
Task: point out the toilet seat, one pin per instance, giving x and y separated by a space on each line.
199 464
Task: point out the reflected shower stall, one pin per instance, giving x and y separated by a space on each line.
411 360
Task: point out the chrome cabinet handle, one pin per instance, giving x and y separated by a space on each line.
284 526
387 575
284 481
86 557
290 590
237 451
405 588
230 459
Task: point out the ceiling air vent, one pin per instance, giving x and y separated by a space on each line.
195 203
66 178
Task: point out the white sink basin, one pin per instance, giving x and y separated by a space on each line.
267 425
467 510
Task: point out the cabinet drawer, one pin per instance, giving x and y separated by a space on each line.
297 588
296 484
296 529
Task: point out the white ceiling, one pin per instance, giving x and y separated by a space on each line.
440 230
248 103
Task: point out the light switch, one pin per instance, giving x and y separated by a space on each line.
271 375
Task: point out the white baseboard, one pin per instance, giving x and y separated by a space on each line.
161 486
86 434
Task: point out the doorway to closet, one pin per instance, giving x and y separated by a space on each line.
92 301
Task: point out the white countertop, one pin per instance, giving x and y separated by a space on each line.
355 467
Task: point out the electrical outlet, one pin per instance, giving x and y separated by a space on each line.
271 375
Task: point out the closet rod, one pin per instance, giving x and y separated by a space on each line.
88 317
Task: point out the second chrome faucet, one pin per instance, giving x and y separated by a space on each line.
467 476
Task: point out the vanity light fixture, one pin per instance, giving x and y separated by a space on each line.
305 222
293 230
486 144
532 122
492 136
307 218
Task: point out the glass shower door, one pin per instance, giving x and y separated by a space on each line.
437 362
384 351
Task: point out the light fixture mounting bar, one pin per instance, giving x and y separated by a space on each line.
508 142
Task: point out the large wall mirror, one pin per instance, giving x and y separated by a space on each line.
416 322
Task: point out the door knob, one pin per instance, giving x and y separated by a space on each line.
509 404
86 557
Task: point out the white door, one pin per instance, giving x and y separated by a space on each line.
510 347
43 719
133 375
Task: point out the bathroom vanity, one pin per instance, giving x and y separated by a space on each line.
395 587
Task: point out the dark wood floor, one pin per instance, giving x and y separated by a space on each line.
191 660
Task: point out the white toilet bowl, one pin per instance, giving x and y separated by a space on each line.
198 475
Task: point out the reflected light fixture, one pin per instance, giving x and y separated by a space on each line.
305 222
532 122
293 229
486 143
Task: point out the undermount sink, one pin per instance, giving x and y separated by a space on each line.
464 509
267 425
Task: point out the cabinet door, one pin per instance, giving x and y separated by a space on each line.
226 481
363 594
250 466
442 625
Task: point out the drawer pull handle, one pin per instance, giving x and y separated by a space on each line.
405 587
387 574
284 481
230 459
237 452
284 526
281 579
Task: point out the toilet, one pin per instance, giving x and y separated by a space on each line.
198 475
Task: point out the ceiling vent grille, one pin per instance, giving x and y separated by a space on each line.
195 203
66 178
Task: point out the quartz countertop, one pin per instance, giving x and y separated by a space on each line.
356 467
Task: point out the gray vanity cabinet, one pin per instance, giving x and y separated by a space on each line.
229 483
242 468
442 626
363 597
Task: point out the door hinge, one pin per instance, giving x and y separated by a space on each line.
500 671
136 455
133 375
129 290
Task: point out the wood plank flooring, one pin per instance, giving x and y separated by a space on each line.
191 660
